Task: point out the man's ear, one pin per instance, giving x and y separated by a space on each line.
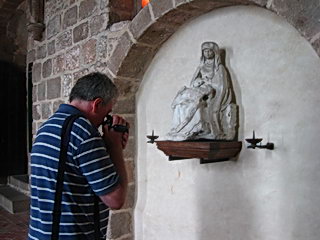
96 104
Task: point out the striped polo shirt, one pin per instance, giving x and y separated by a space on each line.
89 171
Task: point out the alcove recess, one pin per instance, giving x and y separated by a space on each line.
208 151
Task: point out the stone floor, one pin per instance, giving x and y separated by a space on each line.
13 226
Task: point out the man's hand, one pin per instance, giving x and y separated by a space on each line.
113 138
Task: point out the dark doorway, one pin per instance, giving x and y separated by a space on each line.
13 139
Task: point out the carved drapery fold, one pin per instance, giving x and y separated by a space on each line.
36 25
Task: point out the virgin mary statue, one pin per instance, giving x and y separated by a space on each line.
205 109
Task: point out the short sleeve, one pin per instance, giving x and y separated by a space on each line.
96 165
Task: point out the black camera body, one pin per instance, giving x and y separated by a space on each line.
117 127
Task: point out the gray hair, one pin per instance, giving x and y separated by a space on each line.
92 86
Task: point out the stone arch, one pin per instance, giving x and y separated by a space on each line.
160 19
155 23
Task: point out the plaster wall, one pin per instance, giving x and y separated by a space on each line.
263 194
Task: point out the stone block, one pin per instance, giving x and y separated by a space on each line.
36 72
119 53
80 32
87 8
126 87
42 51
36 112
136 61
53 26
131 119
130 166
160 7
12 200
56 105
156 34
80 73
141 22
58 64
102 47
41 91
130 198
70 17
130 149
304 15
47 68
31 56
89 51
64 40
120 224
98 24
54 88
20 182
125 106
72 58
51 47
46 110
66 84
34 93
316 46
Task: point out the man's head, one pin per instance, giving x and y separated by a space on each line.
94 94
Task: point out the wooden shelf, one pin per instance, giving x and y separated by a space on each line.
207 151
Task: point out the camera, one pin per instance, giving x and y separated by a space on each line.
117 127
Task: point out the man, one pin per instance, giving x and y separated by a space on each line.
94 164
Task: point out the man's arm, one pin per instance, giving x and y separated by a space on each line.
116 142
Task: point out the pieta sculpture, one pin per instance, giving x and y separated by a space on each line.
206 109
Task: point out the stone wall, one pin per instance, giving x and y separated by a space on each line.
78 40
13 30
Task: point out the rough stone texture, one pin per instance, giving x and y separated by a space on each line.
36 72
53 26
41 51
305 17
46 110
58 64
72 58
128 59
80 32
70 17
130 166
126 87
31 56
66 84
64 40
102 47
120 51
98 24
56 105
130 149
51 47
120 224
41 87
47 68
87 8
125 106
89 51
54 88
129 203
137 60
316 46
36 112
121 10
141 22
35 93
80 73
160 7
